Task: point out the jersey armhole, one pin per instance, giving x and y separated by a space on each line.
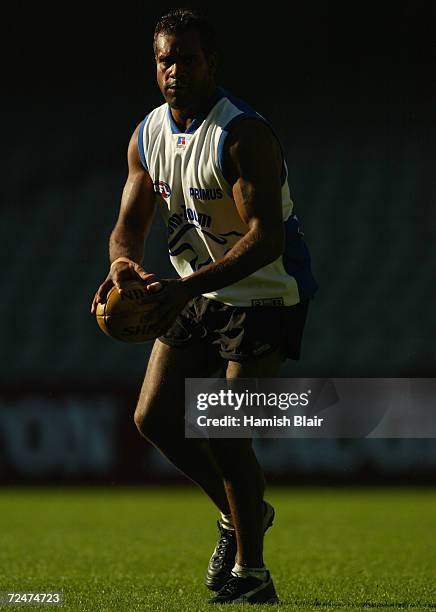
141 143
226 131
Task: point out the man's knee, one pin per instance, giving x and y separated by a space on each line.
147 421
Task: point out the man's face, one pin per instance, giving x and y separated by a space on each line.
185 75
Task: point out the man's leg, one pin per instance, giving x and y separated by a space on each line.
249 580
159 414
243 478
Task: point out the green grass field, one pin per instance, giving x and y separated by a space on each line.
147 549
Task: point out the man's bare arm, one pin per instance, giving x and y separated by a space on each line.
255 161
136 210
132 227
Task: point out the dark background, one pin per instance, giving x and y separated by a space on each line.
350 90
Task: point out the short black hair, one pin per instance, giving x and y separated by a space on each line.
184 19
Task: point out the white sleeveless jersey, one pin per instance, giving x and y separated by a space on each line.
197 205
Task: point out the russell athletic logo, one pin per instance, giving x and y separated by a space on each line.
162 188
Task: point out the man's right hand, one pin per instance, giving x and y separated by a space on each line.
119 272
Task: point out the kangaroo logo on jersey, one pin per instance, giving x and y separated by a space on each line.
162 188
180 226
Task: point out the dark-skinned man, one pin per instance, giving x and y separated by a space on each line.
215 169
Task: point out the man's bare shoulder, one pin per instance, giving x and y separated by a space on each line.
133 156
251 144
249 131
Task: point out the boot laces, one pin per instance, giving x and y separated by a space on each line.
224 546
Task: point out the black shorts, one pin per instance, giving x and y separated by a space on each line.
239 333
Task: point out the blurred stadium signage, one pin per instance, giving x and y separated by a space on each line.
71 438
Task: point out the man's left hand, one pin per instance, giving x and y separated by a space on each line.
171 299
